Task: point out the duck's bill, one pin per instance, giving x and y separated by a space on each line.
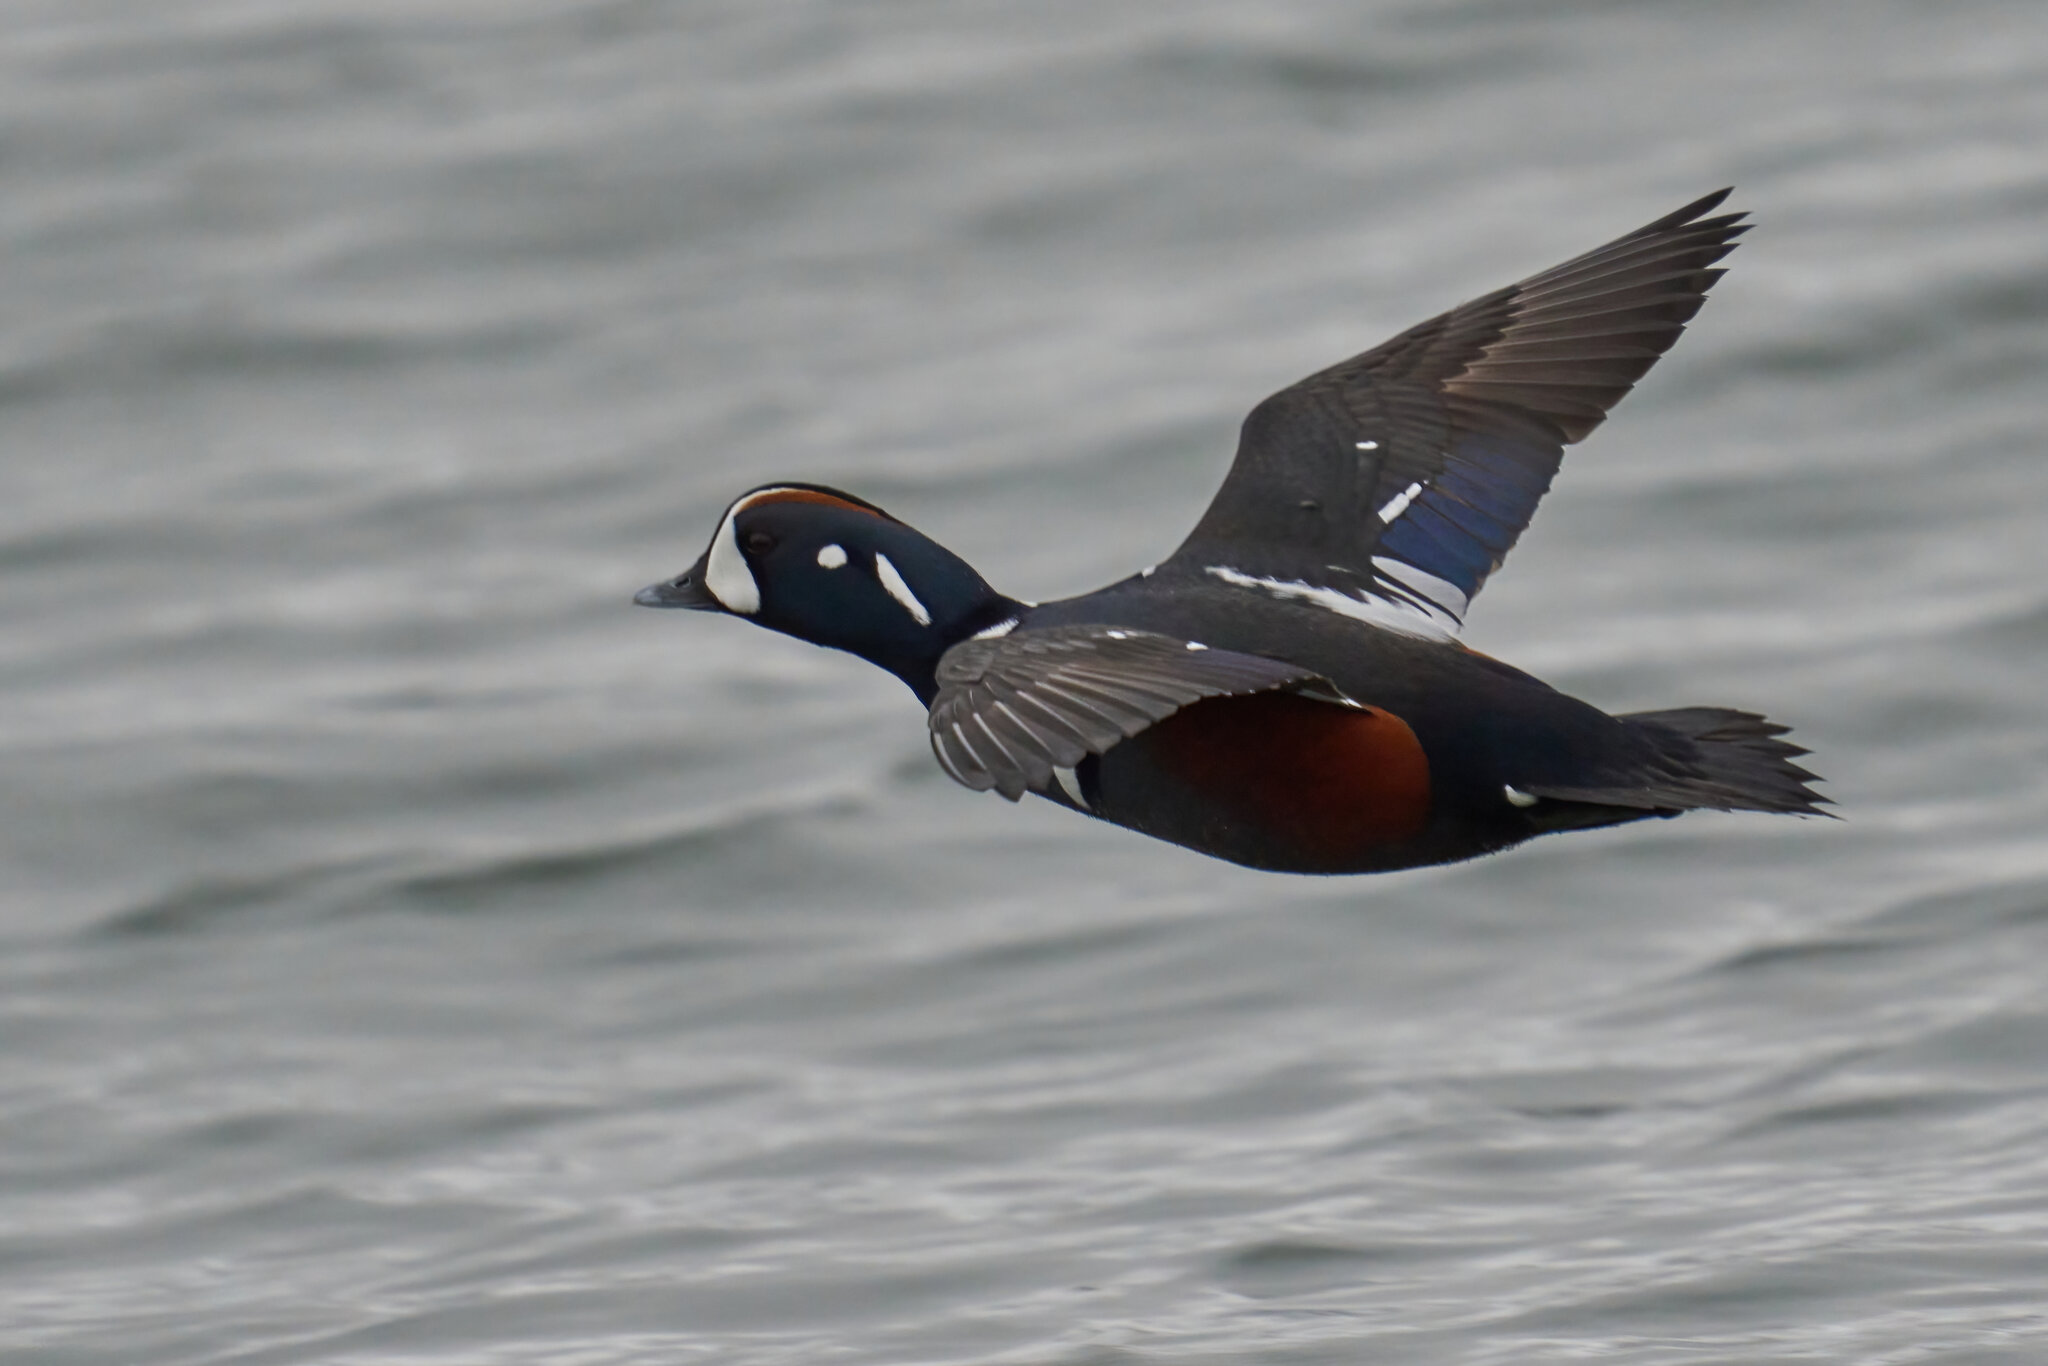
684 590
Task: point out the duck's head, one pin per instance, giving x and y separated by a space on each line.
836 570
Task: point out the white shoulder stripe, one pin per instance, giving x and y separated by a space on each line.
1411 618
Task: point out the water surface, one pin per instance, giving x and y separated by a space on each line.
413 953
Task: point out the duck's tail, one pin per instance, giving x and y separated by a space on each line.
1706 758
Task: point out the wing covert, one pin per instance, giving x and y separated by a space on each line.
1399 479
1011 709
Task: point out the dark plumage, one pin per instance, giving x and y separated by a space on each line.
1286 690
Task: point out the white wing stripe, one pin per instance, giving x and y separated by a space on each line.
1441 593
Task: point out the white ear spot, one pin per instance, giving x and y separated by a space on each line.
1517 797
831 556
726 574
899 590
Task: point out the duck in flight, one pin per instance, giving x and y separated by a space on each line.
1287 690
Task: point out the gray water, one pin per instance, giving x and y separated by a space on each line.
410 952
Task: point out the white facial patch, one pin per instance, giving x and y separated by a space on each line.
899 590
831 556
727 576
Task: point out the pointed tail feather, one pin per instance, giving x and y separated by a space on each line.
1707 758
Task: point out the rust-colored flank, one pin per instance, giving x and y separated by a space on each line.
1324 781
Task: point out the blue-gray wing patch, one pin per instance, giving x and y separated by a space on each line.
1389 486
1012 709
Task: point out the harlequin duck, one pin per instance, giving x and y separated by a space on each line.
1287 689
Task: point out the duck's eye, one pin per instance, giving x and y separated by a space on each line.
759 543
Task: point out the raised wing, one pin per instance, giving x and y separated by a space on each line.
1012 709
1391 485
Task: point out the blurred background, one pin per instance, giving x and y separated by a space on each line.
412 952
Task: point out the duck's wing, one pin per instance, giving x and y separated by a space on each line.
1399 479
1013 708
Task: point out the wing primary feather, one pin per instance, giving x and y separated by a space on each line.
1131 691
1064 750
1006 778
1066 724
1083 703
973 754
941 750
1610 285
1711 240
981 719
